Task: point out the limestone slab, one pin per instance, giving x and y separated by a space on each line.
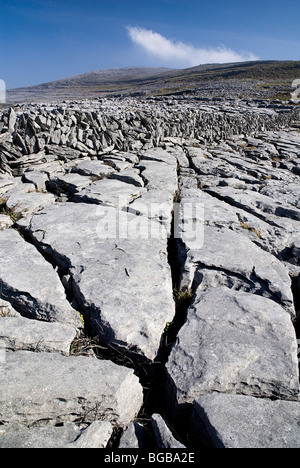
57 389
30 284
235 342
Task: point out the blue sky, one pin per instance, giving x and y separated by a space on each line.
45 40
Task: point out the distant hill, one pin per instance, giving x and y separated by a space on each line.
260 79
107 77
87 85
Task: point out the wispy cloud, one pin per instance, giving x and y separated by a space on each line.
163 48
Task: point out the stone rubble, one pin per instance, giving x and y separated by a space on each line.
106 208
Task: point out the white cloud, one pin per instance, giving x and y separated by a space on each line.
164 48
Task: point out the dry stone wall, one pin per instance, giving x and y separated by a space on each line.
103 126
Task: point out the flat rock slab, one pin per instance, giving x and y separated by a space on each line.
110 192
17 192
266 206
238 421
225 257
286 192
217 213
159 175
123 283
130 176
155 205
93 168
69 183
28 203
32 335
162 156
30 284
8 184
57 389
235 342
39 437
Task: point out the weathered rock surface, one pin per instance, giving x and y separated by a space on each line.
16 436
5 222
96 436
55 389
238 421
110 192
221 259
118 203
133 437
32 335
163 435
110 274
30 284
236 342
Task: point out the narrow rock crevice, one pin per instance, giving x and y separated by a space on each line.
296 321
154 377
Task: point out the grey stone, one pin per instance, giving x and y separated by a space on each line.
6 309
39 437
32 335
255 202
37 178
118 163
198 156
163 436
8 184
133 437
68 183
12 120
159 176
18 191
235 342
28 203
219 214
130 176
110 193
156 205
237 421
130 157
160 155
5 222
93 168
238 338
30 283
112 270
32 159
57 389
287 192
96 436
217 257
